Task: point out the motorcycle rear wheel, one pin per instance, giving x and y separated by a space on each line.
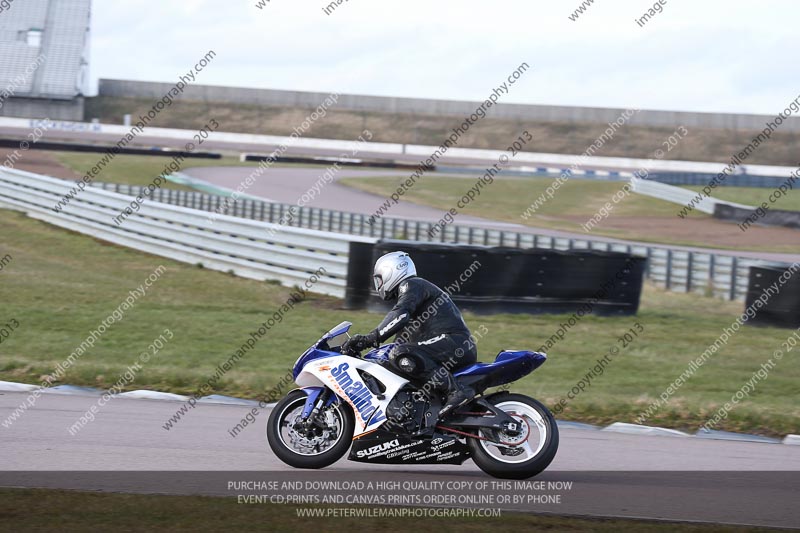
517 456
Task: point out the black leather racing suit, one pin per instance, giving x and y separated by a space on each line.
431 333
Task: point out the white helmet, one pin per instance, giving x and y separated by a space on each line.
390 270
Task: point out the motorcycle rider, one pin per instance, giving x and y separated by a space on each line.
426 349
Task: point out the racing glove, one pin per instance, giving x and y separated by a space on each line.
358 343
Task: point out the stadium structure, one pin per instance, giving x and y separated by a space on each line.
44 58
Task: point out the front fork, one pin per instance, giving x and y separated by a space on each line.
318 397
308 425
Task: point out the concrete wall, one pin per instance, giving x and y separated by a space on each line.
71 110
538 113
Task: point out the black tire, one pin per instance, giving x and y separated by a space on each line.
299 460
522 470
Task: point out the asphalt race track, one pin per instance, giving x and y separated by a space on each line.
126 449
287 185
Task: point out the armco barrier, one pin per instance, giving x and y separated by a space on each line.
712 274
695 179
678 195
230 244
701 180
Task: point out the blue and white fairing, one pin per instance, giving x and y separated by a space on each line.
321 366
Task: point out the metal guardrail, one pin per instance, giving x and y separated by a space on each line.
248 248
678 195
719 275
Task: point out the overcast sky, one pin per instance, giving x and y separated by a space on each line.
709 55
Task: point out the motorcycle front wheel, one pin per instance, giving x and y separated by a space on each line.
523 454
315 445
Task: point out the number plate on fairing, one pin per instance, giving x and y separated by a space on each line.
390 448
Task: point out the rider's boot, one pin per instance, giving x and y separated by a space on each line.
457 395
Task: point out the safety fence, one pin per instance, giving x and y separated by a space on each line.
712 274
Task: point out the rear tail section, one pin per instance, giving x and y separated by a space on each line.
508 366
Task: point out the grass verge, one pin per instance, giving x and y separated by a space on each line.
60 285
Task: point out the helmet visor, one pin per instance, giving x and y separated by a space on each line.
378 282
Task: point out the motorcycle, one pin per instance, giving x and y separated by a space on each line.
358 403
